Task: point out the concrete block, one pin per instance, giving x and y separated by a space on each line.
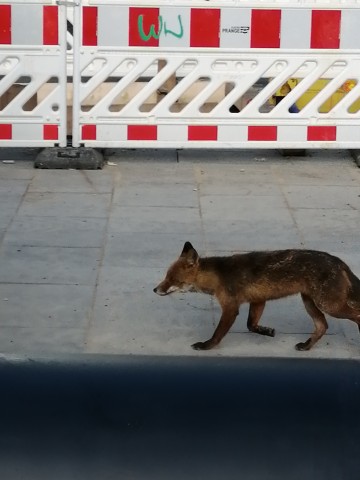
74 158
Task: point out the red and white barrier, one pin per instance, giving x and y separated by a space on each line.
136 47
217 133
32 73
124 53
226 27
29 24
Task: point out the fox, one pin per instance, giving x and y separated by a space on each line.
326 285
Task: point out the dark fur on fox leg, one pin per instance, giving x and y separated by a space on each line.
261 330
303 346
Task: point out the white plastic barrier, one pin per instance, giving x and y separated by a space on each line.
32 73
220 52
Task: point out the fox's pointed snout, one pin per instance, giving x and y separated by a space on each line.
158 291
161 290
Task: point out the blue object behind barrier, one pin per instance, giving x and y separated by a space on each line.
180 418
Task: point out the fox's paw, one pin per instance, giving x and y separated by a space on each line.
261 330
269 332
303 346
202 345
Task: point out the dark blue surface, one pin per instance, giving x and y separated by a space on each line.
180 418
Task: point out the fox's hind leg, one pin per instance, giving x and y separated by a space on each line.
319 321
255 312
350 311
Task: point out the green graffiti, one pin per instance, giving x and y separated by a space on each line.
152 32
177 35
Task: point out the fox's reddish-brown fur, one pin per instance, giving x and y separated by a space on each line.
326 284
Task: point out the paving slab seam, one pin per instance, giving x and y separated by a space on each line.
16 211
290 209
116 179
197 177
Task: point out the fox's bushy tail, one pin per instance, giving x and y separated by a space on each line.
354 291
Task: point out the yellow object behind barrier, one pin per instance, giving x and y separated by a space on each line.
315 88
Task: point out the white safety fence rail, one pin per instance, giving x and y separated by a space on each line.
224 62
32 73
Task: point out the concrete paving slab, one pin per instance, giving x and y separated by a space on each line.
238 207
131 311
330 346
13 186
327 197
114 233
49 265
247 235
231 178
42 341
45 306
250 188
326 229
76 181
17 171
147 171
312 172
51 204
5 221
10 203
182 220
157 195
123 322
242 223
135 279
133 249
56 231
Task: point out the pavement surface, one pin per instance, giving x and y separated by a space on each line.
81 251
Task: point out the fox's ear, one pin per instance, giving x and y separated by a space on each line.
187 248
189 253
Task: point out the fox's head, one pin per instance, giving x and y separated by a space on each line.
182 273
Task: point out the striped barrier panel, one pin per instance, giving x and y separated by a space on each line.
32 73
213 27
228 61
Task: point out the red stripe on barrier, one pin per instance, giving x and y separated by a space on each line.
205 27
142 132
144 27
325 29
265 28
88 132
5 24
50 25
90 20
202 132
321 133
262 133
51 132
5 131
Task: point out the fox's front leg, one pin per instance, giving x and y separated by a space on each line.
229 314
